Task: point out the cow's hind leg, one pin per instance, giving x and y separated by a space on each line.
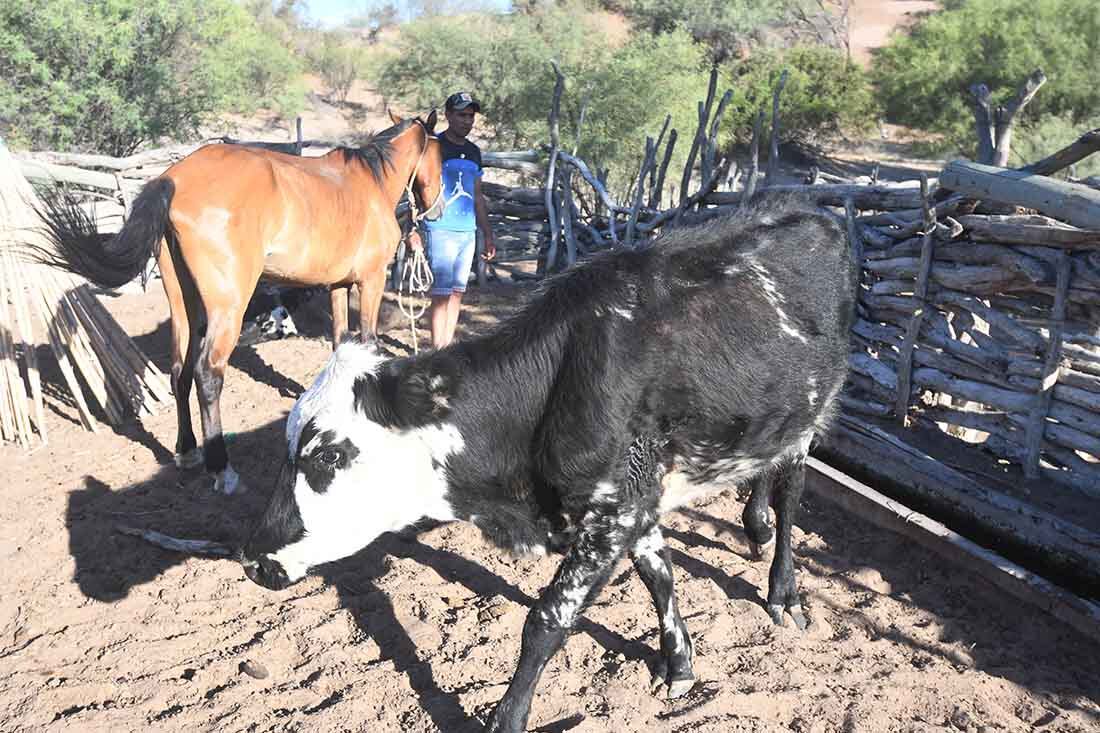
586 568
651 560
758 527
782 587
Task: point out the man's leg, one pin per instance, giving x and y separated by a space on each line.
454 306
440 316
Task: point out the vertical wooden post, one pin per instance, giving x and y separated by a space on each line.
1051 369
551 171
920 293
298 145
773 155
754 159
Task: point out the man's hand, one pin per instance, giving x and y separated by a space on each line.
414 241
490 248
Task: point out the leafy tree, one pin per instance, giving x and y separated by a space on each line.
629 89
340 62
507 66
724 26
924 76
110 75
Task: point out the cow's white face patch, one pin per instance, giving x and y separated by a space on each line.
354 478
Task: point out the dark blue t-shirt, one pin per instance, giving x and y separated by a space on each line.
461 167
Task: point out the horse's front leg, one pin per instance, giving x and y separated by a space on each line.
588 564
370 303
339 295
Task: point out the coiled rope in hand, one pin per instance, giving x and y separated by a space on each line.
416 281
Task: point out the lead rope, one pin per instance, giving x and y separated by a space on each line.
416 281
416 275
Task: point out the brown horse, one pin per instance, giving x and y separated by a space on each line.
231 214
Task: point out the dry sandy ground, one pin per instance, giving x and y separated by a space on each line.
102 632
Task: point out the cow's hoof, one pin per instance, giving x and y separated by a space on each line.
676 685
229 482
190 459
757 550
776 611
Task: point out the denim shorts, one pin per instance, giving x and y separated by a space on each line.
450 254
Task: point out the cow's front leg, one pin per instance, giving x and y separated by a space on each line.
651 560
588 563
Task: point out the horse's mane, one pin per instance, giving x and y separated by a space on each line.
376 152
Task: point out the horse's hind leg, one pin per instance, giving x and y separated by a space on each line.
182 304
222 330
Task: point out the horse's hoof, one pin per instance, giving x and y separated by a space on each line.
229 482
190 459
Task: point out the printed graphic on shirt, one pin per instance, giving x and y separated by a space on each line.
461 169
459 175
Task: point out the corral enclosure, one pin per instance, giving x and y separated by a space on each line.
979 323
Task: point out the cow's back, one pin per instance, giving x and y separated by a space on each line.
750 330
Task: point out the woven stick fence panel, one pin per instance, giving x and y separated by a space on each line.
102 370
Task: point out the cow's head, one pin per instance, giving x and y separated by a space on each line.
367 447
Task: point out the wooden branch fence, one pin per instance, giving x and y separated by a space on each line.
984 324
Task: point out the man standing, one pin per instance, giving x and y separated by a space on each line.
452 238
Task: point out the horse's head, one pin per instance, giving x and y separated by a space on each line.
427 177
366 446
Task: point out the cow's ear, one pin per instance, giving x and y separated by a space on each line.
425 396
435 391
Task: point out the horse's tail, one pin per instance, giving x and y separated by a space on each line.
108 260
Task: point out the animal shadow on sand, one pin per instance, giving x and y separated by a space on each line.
109 564
1005 639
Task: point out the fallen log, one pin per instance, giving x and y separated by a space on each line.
1079 205
863 197
1034 230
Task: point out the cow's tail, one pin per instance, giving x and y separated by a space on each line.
107 260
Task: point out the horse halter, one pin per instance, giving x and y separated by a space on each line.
416 215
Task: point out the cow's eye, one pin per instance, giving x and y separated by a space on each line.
329 456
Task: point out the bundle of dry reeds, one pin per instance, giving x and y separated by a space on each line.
41 305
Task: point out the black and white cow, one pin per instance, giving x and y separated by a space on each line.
628 386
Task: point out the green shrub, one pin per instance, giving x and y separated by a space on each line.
629 89
110 75
1036 140
924 76
825 96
